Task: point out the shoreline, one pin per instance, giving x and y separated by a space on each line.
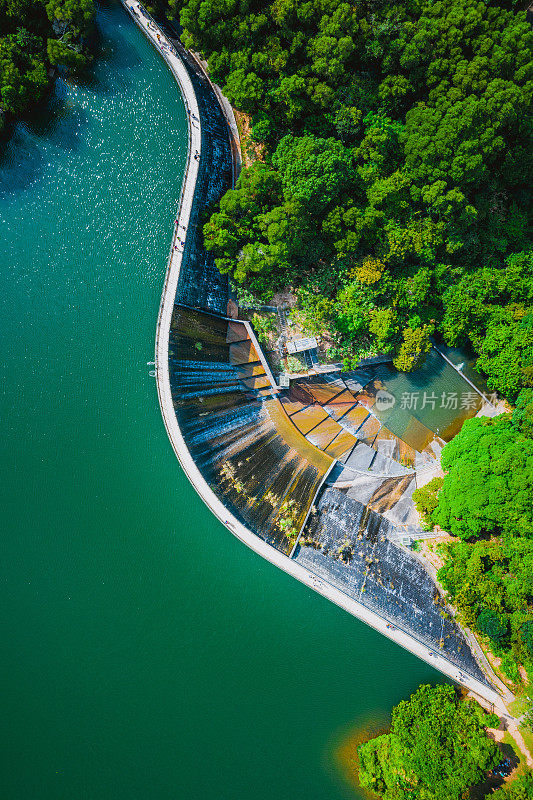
266 551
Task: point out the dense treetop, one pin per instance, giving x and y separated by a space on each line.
437 748
488 488
493 307
491 583
398 134
35 34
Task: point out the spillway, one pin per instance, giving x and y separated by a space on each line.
313 473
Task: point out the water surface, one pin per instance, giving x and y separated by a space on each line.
149 654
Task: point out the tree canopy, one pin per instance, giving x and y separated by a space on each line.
486 500
488 486
493 308
437 747
414 348
34 35
394 134
491 584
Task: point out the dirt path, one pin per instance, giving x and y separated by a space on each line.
512 727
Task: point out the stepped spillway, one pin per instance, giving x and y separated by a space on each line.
270 464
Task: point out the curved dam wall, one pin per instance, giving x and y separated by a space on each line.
249 461
259 465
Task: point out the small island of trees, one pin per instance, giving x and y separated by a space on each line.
437 748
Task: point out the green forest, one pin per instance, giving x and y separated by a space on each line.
392 192
486 502
437 748
35 37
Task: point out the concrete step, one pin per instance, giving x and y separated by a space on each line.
361 457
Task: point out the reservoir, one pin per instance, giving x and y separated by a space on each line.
147 654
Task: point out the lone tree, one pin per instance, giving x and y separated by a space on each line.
437 748
414 348
488 486
493 625
426 500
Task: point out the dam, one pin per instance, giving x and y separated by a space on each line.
311 477
144 641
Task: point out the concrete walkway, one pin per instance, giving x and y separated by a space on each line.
263 549
169 53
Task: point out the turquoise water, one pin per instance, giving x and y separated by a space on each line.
146 652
